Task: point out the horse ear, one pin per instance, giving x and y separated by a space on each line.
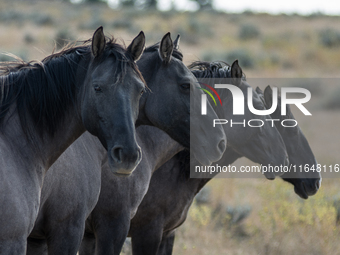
176 42
166 48
236 72
261 96
98 42
268 96
137 46
259 91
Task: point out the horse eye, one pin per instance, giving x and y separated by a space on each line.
142 92
97 88
185 86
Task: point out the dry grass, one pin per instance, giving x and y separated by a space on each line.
280 223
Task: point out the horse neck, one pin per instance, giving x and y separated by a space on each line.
196 184
229 157
157 146
166 152
148 66
39 146
72 128
45 149
53 147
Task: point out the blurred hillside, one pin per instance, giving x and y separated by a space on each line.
267 46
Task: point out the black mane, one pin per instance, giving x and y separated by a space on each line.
44 90
215 69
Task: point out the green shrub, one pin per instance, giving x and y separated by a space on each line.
212 55
41 19
248 31
11 16
28 38
198 27
329 38
245 58
194 30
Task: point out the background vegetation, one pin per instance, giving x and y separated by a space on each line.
238 216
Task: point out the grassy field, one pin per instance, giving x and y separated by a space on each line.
267 46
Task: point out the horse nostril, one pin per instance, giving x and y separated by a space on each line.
116 154
222 145
318 184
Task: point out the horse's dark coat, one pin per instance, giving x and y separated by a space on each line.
171 191
37 101
119 197
171 87
45 90
167 108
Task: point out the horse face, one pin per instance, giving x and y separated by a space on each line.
299 152
110 104
262 145
167 106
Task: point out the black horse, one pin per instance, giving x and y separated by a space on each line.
71 188
305 183
167 107
45 106
171 190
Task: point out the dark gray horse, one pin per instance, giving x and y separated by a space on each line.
272 153
61 221
171 190
71 190
171 87
108 224
300 153
46 106
106 227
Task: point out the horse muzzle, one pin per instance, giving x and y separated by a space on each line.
123 161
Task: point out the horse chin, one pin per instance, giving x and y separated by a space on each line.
300 191
122 169
121 174
204 161
207 155
269 175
